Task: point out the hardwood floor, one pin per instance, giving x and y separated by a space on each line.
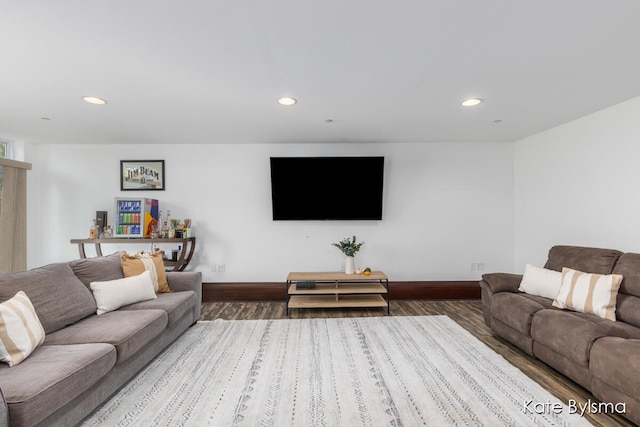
467 314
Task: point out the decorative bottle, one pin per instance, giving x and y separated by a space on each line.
171 231
93 231
165 227
172 228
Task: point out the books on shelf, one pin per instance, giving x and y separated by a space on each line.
306 284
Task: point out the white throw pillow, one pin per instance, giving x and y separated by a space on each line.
589 293
541 282
20 329
114 294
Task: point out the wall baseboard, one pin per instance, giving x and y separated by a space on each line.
275 291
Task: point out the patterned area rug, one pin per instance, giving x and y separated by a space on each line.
374 371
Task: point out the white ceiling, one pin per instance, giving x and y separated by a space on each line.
210 71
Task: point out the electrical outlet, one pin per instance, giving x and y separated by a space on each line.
481 266
474 266
220 268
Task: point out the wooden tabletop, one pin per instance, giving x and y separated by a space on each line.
332 276
134 240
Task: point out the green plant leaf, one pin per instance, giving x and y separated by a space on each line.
348 247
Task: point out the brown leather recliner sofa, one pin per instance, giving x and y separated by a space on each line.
599 354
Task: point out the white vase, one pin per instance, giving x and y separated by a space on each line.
349 265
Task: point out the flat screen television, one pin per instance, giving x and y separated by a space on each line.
327 188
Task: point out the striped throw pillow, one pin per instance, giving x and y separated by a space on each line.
589 293
20 329
134 265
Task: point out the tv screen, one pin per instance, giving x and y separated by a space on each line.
327 188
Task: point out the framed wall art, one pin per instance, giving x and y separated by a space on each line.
136 175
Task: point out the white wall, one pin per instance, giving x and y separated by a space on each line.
445 206
579 184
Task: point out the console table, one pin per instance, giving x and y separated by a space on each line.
188 247
336 289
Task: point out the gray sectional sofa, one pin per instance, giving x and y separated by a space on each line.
85 357
601 355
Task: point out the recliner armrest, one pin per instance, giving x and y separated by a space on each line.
501 282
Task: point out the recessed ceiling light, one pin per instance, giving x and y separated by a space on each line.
471 102
94 100
287 101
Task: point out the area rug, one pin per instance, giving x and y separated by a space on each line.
373 371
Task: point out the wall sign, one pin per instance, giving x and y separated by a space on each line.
142 175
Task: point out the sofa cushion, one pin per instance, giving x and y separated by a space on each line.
628 304
592 260
628 267
176 304
628 309
58 296
572 334
540 282
113 294
615 362
128 330
52 377
613 329
96 269
20 330
589 293
516 310
566 334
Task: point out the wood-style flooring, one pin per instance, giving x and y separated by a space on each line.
466 313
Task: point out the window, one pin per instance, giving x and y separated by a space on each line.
13 215
3 154
0 188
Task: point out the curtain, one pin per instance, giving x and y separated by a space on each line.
13 216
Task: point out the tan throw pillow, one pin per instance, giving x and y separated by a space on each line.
20 329
589 293
133 265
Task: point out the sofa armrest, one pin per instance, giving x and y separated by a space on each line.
4 411
187 281
501 282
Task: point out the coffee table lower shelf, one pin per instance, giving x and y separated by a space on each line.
337 290
330 301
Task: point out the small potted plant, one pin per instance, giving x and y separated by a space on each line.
349 248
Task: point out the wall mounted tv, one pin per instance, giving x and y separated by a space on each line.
327 188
